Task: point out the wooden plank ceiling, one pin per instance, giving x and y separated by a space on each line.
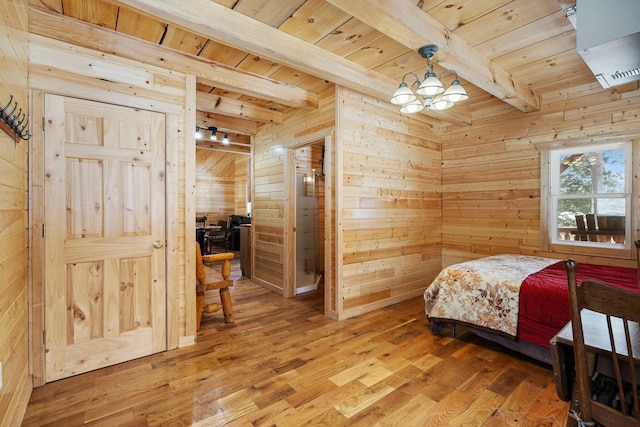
255 59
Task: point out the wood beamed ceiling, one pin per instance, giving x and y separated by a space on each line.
254 60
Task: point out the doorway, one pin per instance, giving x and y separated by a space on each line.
310 153
307 254
309 217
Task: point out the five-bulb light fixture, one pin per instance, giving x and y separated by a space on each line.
214 134
430 93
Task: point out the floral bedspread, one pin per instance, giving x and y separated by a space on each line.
482 292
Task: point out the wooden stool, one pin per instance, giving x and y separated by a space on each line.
215 280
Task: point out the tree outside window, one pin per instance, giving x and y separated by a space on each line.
592 183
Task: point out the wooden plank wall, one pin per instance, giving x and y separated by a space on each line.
14 260
221 180
388 202
491 171
269 186
387 192
242 164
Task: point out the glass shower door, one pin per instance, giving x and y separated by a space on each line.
306 232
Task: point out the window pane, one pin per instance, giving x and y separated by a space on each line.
609 206
569 208
589 195
606 226
595 172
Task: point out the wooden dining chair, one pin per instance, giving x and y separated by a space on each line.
220 238
208 279
621 313
201 221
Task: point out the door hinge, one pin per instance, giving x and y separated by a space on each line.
43 229
43 124
44 337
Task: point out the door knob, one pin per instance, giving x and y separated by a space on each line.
157 244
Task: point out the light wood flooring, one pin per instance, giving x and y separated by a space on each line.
282 363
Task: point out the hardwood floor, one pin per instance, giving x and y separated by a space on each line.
282 363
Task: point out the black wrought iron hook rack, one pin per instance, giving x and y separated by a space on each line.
15 124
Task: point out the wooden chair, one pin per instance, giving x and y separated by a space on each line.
591 226
220 238
209 279
621 309
201 221
581 227
201 235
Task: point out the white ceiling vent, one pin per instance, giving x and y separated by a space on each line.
608 39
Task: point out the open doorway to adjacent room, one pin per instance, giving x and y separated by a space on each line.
308 203
309 208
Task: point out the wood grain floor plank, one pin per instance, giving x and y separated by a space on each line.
416 412
452 406
382 409
548 409
517 405
282 363
267 416
369 372
304 416
358 402
311 391
480 408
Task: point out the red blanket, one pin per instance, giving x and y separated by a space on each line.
544 299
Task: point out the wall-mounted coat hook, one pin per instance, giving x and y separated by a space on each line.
14 125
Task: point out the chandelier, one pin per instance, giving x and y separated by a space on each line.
430 93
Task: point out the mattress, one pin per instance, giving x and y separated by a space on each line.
515 296
544 298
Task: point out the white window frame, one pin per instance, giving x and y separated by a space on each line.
550 194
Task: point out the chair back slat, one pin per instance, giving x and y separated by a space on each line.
620 316
632 370
598 296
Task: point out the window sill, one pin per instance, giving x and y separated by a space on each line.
602 250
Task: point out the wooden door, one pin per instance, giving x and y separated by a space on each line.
104 235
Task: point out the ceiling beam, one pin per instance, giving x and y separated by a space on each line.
231 148
408 24
226 123
60 27
225 106
244 33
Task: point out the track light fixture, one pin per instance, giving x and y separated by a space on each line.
214 133
430 93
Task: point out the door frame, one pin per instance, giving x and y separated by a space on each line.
289 216
37 215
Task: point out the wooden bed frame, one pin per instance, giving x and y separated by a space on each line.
534 351
539 353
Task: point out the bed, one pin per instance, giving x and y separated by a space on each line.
518 301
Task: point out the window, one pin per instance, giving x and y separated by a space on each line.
590 196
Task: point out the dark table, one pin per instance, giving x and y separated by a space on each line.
596 339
